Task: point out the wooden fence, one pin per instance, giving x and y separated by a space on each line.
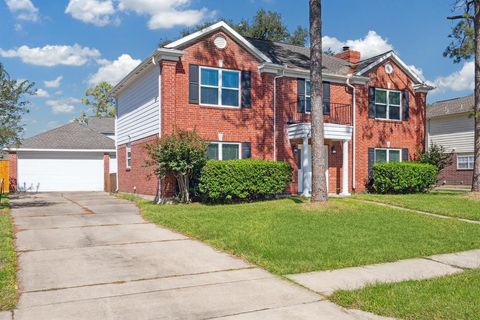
4 176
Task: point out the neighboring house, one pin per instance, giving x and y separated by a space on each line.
450 124
251 99
73 157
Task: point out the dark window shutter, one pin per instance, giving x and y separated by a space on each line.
326 98
193 83
405 154
371 160
372 112
246 89
300 95
406 105
246 150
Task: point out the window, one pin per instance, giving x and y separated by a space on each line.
308 99
388 104
388 155
465 162
223 151
128 151
219 87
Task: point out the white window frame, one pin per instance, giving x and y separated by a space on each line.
220 87
388 153
387 104
220 148
128 156
468 156
308 96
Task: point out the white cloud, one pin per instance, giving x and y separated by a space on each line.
114 71
40 93
166 14
372 44
53 83
52 55
97 12
460 80
418 71
23 9
63 105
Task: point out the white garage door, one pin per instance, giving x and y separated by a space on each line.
60 171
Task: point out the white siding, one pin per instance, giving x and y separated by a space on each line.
138 108
455 133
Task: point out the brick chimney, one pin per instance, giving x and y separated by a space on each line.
351 56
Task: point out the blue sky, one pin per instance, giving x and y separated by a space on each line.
64 46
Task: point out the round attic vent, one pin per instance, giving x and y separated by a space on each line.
388 68
220 42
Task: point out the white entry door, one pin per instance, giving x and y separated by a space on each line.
60 171
309 171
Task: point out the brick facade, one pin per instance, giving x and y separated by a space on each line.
453 176
255 124
12 170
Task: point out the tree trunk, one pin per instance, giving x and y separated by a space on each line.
476 168
319 184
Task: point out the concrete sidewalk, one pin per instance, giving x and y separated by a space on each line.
92 256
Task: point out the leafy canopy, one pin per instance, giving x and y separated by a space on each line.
98 99
13 106
462 46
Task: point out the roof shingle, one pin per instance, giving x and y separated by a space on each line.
451 106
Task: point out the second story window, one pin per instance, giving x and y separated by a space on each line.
308 99
388 104
219 87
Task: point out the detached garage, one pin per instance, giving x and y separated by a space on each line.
69 158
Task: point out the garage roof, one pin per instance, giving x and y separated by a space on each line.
101 125
72 136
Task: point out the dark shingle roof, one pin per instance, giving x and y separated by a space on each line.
70 136
451 106
298 57
101 125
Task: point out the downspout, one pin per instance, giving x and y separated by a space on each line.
275 113
354 139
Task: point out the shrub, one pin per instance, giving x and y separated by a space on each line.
237 180
403 177
437 156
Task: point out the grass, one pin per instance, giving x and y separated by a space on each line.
451 297
449 203
8 260
289 236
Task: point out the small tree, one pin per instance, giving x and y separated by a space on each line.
181 154
437 156
99 100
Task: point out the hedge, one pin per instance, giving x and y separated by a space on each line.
243 180
403 177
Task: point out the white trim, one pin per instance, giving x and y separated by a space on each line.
61 150
398 61
468 161
388 153
387 104
220 148
219 25
219 88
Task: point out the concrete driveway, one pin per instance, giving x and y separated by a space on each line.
92 256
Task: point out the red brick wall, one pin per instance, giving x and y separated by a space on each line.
12 169
371 133
138 178
452 176
106 172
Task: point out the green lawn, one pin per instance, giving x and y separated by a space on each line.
289 236
449 203
8 260
452 297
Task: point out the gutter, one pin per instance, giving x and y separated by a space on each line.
354 138
275 113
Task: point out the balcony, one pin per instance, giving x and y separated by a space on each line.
339 114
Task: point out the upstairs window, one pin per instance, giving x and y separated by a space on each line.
465 162
223 151
128 153
308 98
388 155
219 87
388 104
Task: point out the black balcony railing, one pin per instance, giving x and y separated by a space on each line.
339 114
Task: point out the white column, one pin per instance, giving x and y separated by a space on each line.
345 178
305 168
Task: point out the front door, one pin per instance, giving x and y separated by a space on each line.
309 167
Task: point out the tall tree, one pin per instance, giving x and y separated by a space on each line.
319 181
13 106
99 100
465 44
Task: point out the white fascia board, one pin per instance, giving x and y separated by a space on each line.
219 25
425 88
61 150
397 60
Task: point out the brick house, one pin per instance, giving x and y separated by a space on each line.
451 125
250 98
